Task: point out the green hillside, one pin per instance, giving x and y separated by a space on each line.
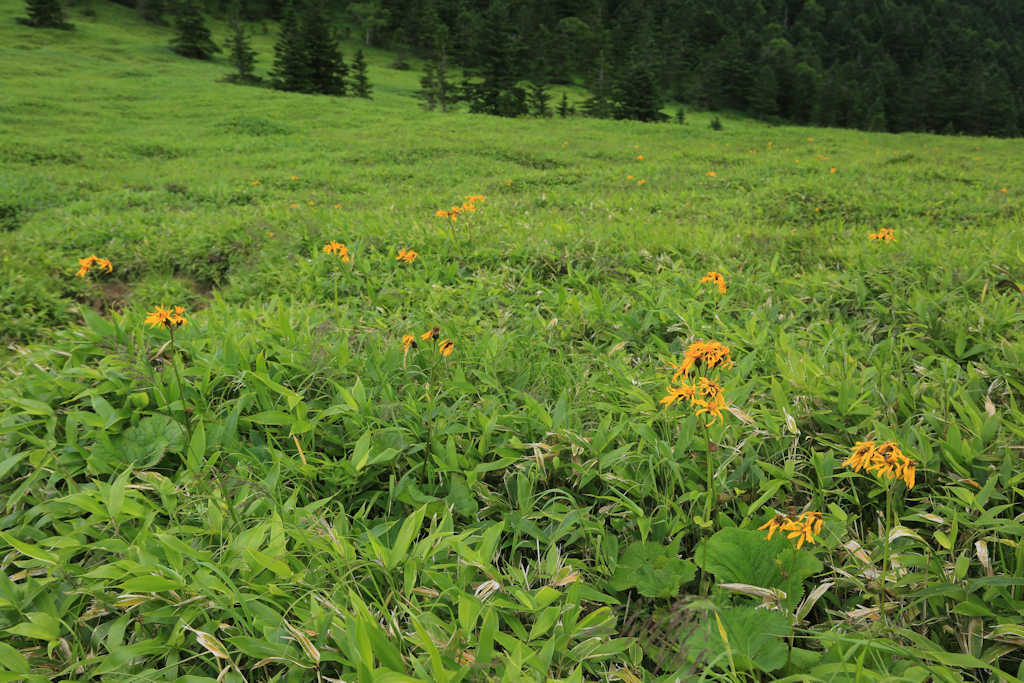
277 490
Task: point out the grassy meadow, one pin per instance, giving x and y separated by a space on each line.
279 491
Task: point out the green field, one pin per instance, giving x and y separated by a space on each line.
282 493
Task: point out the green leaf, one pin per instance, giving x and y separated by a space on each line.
145 444
744 556
150 584
33 551
653 569
40 626
410 527
753 637
12 660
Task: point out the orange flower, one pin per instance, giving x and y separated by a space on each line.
711 354
335 247
629 177
1004 190
885 460
166 318
293 206
803 528
641 181
408 342
639 157
711 174
407 255
446 347
716 277
678 394
86 264
432 333
255 182
832 170
883 235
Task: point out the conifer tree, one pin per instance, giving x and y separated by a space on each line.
240 53
291 71
538 99
428 87
359 84
193 38
435 88
636 95
45 14
327 69
152 11
563 106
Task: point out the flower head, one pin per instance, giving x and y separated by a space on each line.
446 347
335 247
711 174
710 354
883 235
407 255
408 342
432 333
802 529
717 278
166 317
885 460
86 264
709 397
678 394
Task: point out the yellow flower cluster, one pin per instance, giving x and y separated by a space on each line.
467 206
883 235
886 460
86 264
445 346
802 528
717 279
704 393
166 317
707 354
335 247
406 255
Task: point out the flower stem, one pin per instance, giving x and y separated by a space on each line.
885 550
181 390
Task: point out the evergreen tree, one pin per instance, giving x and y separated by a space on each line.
291 71
45 14
428 87
324 60
680 115
152 11
538 99
359 84
636 95
764 93
499 49
435 88
563 106
240 54
193 38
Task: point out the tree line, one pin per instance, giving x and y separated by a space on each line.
897 65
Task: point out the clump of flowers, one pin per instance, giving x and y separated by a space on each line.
167 318
406 255
335 247
702 354
885 460
717 279
802 528
445 347
883 235
467 206
89 262
408 342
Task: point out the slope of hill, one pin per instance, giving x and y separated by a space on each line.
285 487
